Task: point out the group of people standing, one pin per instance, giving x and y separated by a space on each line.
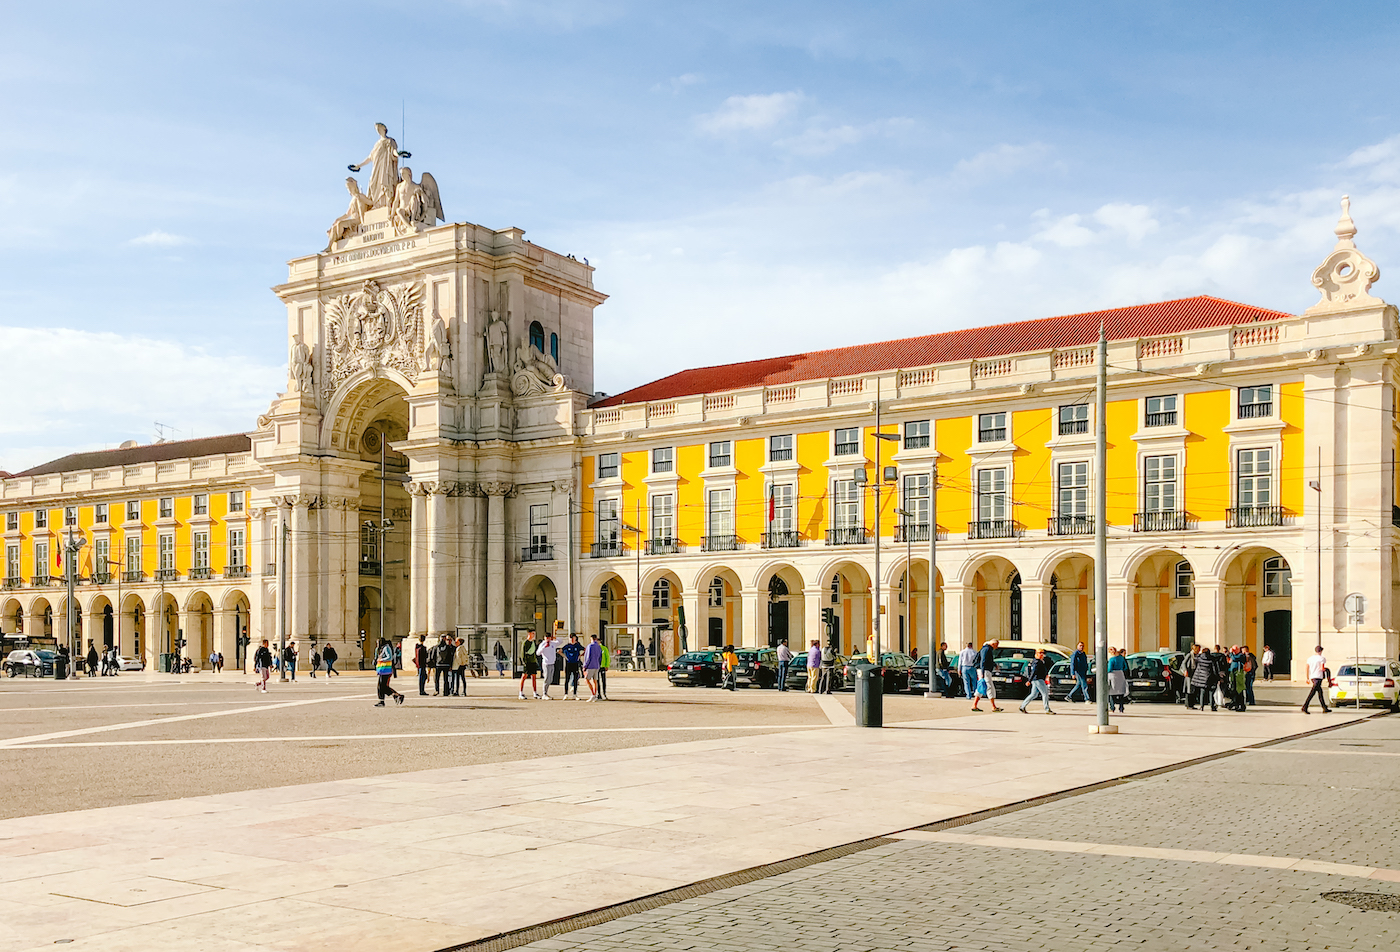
540 661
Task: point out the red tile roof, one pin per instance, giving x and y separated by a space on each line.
149 453
998 340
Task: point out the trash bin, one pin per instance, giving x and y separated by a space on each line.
164 666
870 697
60 668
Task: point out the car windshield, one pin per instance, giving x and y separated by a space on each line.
1061 669
1367 670
1144 667
48 655
1014 665
695 657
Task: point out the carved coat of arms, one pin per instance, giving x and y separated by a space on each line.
372 329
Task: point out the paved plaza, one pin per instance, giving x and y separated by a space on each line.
150 813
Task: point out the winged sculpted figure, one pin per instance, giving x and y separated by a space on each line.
373 329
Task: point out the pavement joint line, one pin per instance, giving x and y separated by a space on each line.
519 937
835 711
1179 855
4 745
1302 750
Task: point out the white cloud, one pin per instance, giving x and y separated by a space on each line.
75 389
1002 161
676 83
750 113
160 239
1134 221
1067 232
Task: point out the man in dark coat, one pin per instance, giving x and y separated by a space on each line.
1203 679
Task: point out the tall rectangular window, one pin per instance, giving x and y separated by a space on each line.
721 453
11 521
783 509
663 518
41 518
167 507
201 550
99 513
916 435
663 459
1159 483
916 498
132 565
1184 579
539 528
165 549
846 442
720 514
1255 485
1256 402
1073 499
1074 419
845 504
609 526
11 561
1160 411
133 511
607 465
237 549
369 546
780 448
101 555
201 504
70 515
235 501
41 560
991 427
991 494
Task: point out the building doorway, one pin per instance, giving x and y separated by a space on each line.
716 633
1185 630
777 611
1278 635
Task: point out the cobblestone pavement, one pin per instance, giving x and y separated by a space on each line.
1332 797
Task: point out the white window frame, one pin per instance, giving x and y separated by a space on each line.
661 594
41 518
11 522
1184 580
609 461
133 510
845 441
663 459
1280 575
663 517
991 423
99 513
847 509
12 562
720 454
993 495
132 562
201 504
235 500
538 517
1250 482
719 512
784 507
1253 393
101 556
200 544
1162 407
782 448
1156 484
70 516
41 560
1072 414
237 548
918 434
165 509
165 551
1080 503
914 498
609 522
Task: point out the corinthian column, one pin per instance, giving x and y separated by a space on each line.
418 560
439 555
496 493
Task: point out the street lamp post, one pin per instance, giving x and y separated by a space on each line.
71 548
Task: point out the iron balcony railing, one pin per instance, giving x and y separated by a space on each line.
1160 520
917 532
719 543
663 546
536 553
370 568
167 575
992 434
992 529
101 578
201 572
1253 411
854 535
1070 525
1164 418
607 550
236 571
14 581
39 581
1068 427
782 539
136 575
1253 517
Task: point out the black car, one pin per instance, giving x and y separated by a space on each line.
702 668
757 666
1150 678
1062 682
918 676
894 670
797 672
1012 677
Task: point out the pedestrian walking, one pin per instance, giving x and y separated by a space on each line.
530 665
814 666
500 655
942 669
549 657
398 657
262 665
1079 668
967 670
213 660
1266 662
442 668
640 656
986 665
460 658
573 665
1317 674
1117 679
329 656
420 661
784 662
315 661
603 671
92 660
1039 674
729 663
289 659
384 668
651 654
1203 678
592 664
1251 668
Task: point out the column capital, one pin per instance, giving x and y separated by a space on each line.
499 488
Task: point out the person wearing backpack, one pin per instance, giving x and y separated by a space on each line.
421 662
530 665
329 657
384 668
828 675
289 659
442 672
262 665
315 660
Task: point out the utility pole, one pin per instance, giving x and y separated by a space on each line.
284 532
875 655
932 569
571 565
71 549
1101 538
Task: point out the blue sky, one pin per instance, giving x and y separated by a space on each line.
748 178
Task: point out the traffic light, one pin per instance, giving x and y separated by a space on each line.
828 617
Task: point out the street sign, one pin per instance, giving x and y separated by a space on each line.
1355 605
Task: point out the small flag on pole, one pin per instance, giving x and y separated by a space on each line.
771 510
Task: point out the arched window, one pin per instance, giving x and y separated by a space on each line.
554 347
605 597
661 594
537 336
1054 610
777 588
1184 579
717 593
1016 607
1278 577
836 589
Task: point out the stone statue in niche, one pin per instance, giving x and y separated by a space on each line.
534 372
354 216
415 203
497 345
299 370
435 350
384 173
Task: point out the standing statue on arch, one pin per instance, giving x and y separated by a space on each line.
384 175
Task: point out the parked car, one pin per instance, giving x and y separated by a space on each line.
1027 649
1371 679
757 666
130 664
30 662
695 667
1062 682
918 675
797 672
1150 677
1012 677
894 669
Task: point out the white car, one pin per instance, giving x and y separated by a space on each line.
1372 680
130 664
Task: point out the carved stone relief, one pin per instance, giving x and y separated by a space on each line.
372 329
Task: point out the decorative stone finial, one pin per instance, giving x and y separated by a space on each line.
1346 275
